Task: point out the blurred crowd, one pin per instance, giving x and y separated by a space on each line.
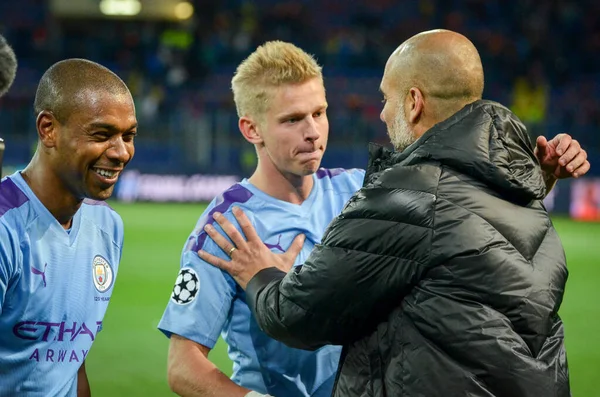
540 58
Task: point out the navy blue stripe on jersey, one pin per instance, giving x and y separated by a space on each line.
10 196
235 194
329 172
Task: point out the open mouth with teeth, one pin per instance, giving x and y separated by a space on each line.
107 174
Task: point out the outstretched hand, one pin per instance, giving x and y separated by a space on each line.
250 256
561 157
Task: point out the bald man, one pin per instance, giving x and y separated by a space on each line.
61 244
443 275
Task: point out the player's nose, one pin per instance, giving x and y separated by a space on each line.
312 130
120 151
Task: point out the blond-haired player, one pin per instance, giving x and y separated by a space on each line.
280 98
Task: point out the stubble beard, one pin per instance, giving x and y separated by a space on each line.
400 133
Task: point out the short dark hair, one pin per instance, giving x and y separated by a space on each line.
60 85
8 66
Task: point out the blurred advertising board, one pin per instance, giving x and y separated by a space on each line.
579 198
136 186
585 199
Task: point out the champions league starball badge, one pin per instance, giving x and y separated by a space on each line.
186 286
102 273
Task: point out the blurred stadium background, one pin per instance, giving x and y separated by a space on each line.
540 58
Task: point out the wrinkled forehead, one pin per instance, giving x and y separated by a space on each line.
94 105
393 66
93 95
98 100
389 79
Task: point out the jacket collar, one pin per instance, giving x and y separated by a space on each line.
484 140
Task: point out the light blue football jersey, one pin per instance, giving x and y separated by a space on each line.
55 286
207 302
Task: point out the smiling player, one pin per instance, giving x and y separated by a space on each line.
61 245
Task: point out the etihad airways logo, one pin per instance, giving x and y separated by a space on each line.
61 332
57 332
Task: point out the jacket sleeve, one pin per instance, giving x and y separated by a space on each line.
370 257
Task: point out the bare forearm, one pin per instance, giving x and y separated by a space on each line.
208 383
83 385
191 374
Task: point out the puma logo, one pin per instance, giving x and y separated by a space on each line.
276 246
40 273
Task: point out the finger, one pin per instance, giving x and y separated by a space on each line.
576 162
245 225
582 170
218 238
295 247
563 141
215 261
541 147
570 154
230 230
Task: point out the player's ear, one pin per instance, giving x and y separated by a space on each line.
250 130
416 105
47 127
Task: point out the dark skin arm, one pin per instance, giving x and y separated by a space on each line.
83 385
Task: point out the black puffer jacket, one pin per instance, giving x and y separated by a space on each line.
443 276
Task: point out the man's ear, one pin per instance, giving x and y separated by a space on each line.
250 130
416 104
47 128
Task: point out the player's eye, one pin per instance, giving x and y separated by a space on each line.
102 135
128 137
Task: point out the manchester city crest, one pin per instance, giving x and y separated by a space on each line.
102 273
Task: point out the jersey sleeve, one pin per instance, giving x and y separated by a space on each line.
202 296
120 239
7 262
358 177
349 182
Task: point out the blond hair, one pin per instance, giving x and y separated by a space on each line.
272 64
